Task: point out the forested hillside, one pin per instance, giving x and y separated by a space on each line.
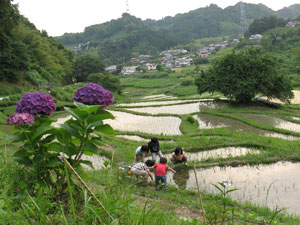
125 37
128 36
27 54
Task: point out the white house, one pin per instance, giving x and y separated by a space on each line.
128 70
111 68
150 66
255 37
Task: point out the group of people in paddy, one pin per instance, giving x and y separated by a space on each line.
142 168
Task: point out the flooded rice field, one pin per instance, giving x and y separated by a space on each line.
266 185
274 121
97 161
133 137
157 103
216 153
178 109
207 121
166 125
162 96
138 138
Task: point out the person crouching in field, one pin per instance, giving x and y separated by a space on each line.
140 153
142 169
178 156
154 148
160 172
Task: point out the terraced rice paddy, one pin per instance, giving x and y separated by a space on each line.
97 161
150 103
177 109
274 121
207 121
166 125
267 185
216 153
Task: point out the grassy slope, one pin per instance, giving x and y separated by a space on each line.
176 202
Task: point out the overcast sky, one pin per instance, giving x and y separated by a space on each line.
60 16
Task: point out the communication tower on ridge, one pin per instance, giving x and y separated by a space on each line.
127 6
243 21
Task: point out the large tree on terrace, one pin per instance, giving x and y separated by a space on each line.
242 75
85 65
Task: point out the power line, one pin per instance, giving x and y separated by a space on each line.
243 22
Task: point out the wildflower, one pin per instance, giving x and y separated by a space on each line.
36 103
20 119
94 94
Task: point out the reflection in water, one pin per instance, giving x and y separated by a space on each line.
179 109
207 121
267 185
273 121
181 177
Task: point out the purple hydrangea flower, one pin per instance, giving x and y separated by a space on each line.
94 94
36 103
20 119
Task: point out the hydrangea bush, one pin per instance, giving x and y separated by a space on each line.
44 147
20 119
36 103
94 94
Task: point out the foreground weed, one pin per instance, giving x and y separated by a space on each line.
222 188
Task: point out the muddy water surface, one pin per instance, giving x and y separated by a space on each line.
274 121
216 153
162 96
167 125
97 161
207 121
133 137
267 185
156 103
179 109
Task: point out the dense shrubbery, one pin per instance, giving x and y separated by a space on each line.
187 82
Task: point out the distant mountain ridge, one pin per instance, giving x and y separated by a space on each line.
129 36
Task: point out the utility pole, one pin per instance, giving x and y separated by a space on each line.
127 6
243 22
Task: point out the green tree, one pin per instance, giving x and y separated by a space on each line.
85 65
110 82
159 67
260 25
241 76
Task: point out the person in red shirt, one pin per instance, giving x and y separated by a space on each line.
160 172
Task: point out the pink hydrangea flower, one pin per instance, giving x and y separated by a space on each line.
20 119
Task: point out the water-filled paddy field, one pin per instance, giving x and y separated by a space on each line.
207 121
266 185
272 185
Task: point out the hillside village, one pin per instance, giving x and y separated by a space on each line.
175 58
